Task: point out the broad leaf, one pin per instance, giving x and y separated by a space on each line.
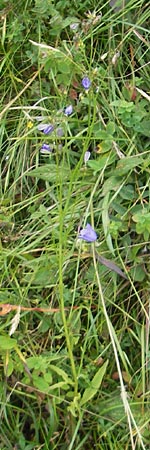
125 165
49 172
7 343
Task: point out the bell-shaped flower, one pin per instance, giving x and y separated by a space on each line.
88 234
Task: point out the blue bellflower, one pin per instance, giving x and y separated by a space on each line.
45 149
47 128
88 234
86 83
68 110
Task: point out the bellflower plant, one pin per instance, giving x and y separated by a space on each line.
88 234
86 83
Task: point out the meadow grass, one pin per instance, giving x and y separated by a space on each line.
74 317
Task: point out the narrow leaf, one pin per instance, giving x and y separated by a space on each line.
111 265
106 222
94 384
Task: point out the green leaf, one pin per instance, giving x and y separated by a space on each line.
63 78
125 165
123 105
142 216
111 184
94 384
74 405
138 273
127 192
66 67
142 220
37 363
110 128
40 383
49 172
144 128
48 377
69 20
9 368
106 145
102 162
61 373
7 343
42 276
101 134
43 8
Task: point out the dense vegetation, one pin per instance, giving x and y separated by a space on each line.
75 299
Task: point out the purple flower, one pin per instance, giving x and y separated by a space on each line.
45 149
68 110
86 83
88 234
47 128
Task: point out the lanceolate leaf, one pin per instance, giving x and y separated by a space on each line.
111 265
94 384
106 222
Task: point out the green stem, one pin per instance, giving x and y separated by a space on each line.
61 284
62 308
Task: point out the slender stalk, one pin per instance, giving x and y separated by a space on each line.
61 284
62 308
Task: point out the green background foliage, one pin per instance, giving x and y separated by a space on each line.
74 328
